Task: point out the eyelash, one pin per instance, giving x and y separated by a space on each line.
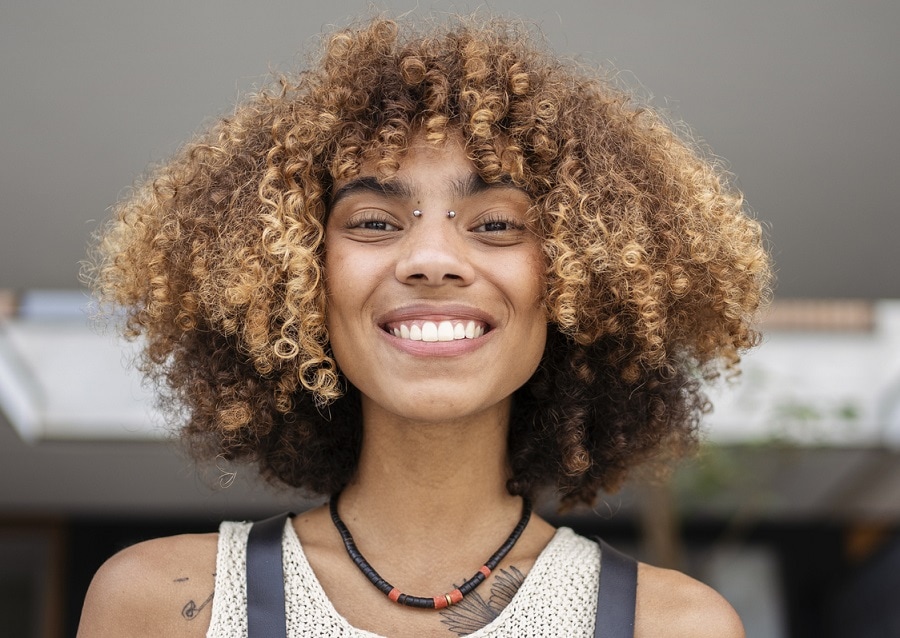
360 221
512 224
371 218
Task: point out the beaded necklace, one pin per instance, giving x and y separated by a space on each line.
436 602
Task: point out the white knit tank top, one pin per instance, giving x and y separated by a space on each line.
557 598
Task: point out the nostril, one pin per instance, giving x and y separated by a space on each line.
433 267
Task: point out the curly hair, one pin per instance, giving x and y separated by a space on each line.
654 271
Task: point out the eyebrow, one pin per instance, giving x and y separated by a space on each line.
391 188
475 184
469 186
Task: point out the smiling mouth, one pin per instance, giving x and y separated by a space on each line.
437 330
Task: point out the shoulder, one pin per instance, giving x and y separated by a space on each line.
161 587
671 605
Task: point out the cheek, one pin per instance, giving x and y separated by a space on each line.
539 306
539 333
340 278
330 274
349 281
529 294
336 291
340 334
537 278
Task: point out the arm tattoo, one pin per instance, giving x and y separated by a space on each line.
473 612
191 609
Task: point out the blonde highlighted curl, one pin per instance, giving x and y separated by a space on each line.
654 273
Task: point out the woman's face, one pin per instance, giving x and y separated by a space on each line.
433 317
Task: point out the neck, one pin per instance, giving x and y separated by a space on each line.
437 478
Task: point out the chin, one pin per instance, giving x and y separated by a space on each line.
443 408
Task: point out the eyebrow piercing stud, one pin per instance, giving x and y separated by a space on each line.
450 213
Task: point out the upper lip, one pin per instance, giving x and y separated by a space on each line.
436 312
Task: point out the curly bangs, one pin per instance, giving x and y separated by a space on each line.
654 273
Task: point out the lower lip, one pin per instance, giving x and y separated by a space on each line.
437 348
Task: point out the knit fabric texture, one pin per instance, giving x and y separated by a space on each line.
557 598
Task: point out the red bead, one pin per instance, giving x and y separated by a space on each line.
437 602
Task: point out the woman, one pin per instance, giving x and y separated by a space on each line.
431 276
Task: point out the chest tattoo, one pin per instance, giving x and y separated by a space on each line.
474 612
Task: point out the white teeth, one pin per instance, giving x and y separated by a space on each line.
445 331
429 331
438 331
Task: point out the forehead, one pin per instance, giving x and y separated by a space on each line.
419 159
423 170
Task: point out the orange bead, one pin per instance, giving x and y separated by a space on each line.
455 596
394 594
440 602
485 570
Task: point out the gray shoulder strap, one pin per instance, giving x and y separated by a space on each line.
265 580
617 594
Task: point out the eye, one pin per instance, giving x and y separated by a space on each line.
372 221
499 225
376 224
492 227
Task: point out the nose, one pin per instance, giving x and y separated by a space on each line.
435 254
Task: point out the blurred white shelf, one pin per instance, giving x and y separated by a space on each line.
817 387
60 379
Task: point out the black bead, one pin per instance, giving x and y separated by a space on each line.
416 601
